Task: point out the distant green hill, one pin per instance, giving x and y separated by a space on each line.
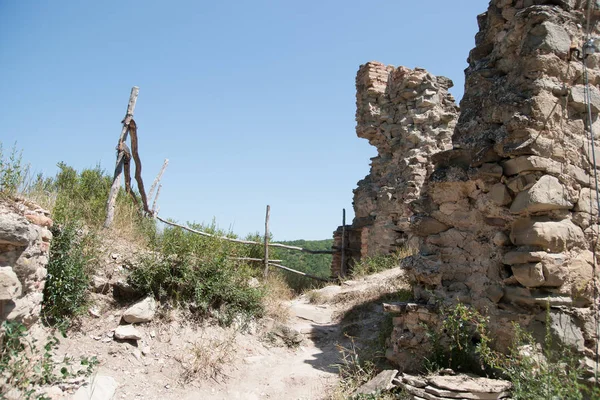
314 264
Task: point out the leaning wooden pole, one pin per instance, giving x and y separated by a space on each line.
343 266
156 181
267 241
121 154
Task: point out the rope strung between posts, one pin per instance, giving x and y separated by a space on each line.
588 48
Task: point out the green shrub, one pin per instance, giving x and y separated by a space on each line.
199 272
459 341
379 263
67 280
12 171
81 196
24 366
462 342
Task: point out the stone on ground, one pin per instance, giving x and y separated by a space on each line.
381 382
143 311
127 332
100 387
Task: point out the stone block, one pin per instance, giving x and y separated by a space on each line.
554 236
578 101
529 275
587 201
10 286
548 37
499 194
545 195
15 230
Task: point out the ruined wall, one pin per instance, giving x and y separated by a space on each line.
24 247
408 115
515 193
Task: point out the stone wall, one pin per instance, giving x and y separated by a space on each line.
500 204
24 248
408 115
515 193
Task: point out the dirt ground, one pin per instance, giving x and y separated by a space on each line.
181 359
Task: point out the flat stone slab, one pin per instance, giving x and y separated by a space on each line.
312 313
381 382
464 383
465 395
100 387
127 332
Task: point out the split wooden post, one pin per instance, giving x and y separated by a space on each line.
343 266
114 189
156 182
267 241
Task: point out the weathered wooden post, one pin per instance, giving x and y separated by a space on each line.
154 186
267 241
114 189
343 262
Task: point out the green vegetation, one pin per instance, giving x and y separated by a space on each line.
314 264
68 274
25 366
379 263
462 342
198 272
12 171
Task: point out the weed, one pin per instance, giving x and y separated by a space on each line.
277 292
12 171
67 280
379 263
353 370
316 297
535 373
24 366
198 272
209 357
463 343
461 339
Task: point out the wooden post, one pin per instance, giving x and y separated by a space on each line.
267 241
114 189
156 181
155 204
343 266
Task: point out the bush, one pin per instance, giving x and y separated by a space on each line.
24 366
198 272
67 280
12 171
462 342
81 196
379 263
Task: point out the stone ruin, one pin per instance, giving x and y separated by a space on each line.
24 249
408 115
499 201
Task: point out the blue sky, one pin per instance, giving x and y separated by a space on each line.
253 102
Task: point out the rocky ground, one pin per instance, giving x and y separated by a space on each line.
174 357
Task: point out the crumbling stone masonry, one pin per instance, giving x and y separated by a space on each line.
507 219
408 115
24 249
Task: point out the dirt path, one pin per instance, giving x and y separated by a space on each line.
175 359
227 363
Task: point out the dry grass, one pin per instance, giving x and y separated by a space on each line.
209 357
278 292
316 297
